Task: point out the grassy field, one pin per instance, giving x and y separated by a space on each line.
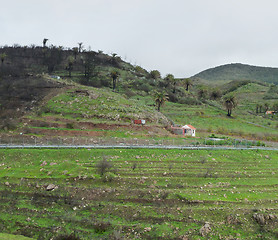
140 194
210 119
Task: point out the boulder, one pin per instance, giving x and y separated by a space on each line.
51 187
206 229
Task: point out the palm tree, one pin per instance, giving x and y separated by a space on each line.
80 46
160 98
75 52
275 106
44 42
70 64
171 79
260 108
229 103
257 108
114 75
266 107
155 74
3 57
215 94
188 83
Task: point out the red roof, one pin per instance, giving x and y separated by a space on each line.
190 126
187 125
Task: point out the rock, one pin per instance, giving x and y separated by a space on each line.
271 217
141 181
147 229
44 163
7 183
51 187
259 218
206 229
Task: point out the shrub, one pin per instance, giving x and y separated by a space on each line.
155 74
70 125
134 166
9 124
101 227
129 93
104 166
42 110
72 236
108 177
44 124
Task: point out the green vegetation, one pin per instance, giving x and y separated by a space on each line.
90 97
4 236
237 71
97 104
144 193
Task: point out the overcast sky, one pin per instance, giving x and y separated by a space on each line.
181 37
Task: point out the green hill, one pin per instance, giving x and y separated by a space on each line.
64 93
237 71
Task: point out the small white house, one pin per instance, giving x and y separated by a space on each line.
189 130
186 130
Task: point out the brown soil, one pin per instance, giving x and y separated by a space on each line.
54 122
61 133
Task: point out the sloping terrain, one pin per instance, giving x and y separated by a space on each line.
19 95
237 71
139 194
87 112
75 99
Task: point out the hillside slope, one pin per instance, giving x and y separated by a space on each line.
237 71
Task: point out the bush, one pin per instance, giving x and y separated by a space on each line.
9 124
44 125
72 236
104 166
108 177
42 110
129 93
189 101
70 125
101 227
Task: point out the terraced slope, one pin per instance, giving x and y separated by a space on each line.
145 194
90 112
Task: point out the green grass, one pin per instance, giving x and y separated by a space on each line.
102 104
152 194
4 236
214 120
